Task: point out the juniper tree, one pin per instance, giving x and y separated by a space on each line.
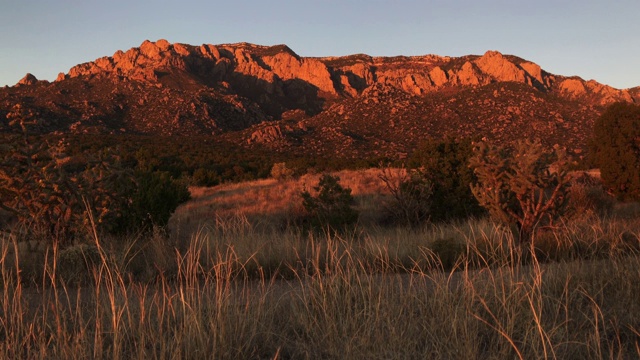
615 149
331 206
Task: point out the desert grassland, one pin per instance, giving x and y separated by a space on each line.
234 282
269 203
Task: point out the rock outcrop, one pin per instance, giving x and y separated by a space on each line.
278 79
28 79
271 97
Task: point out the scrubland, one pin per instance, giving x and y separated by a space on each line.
233 278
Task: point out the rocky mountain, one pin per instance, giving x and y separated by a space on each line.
351 106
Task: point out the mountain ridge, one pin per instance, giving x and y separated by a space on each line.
269 95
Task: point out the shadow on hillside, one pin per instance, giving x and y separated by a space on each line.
280 96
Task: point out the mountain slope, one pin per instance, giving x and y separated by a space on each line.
355 105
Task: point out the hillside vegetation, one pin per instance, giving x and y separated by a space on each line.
239 201
239 285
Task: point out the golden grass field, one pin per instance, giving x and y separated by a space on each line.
230 282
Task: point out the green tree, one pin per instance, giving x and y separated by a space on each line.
615 149
331 206
445 166
525 187
152 202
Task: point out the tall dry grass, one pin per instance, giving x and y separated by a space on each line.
385 294
238 287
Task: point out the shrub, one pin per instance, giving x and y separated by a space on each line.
448 252
518 187
331 207
49 193
411 192
280 171
615 149
204 177
587 196
77 263
445 165
155 197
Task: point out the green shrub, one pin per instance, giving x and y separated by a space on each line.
615 149
154 198
204 177
331 206
77 263
445 165
51 195
587 196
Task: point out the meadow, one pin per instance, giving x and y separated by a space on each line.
232 278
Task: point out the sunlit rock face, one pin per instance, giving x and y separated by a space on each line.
279 72
271 97
28 79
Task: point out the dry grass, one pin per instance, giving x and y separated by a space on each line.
268 204
237 287
343 298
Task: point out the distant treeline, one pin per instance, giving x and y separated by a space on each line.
202 161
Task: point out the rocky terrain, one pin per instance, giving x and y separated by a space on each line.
269 96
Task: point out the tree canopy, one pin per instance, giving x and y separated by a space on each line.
615 149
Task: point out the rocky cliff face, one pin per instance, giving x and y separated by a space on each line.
271 96
278 74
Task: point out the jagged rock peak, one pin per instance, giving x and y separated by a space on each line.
271 72
494 64
28 79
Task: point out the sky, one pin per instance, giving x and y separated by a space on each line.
593 39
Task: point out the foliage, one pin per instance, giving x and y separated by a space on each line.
587 197
518 187
331 207
204 177
412 196
48 192
76 263
448 251
155 198
615 149
445 165
280 171
221 161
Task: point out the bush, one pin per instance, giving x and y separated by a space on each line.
518 187
587 196
204 177
448 252
331 207
280 171
50 194
445 165
77 263
615 149
411 192
155 197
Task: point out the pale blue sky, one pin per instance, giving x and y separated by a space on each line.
595 39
